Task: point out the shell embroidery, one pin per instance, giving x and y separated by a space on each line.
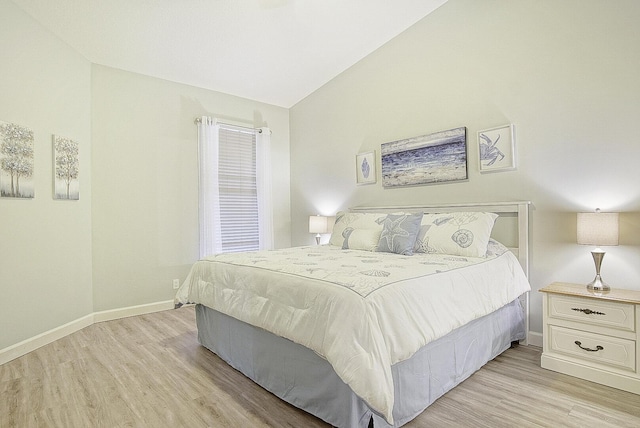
463 237
376 272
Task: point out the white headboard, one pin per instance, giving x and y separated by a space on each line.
511 227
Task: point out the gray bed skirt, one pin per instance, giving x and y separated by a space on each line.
299 376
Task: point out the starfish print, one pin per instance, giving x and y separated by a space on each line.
393 230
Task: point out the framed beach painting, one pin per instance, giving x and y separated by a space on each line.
366 168
497 149
434 158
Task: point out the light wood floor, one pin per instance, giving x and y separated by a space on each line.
150 371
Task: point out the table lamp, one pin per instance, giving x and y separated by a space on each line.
318 224
599 229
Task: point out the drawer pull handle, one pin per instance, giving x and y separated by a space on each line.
588 311
598 348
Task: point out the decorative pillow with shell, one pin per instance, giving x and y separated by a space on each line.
458 233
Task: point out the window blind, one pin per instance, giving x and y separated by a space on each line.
238 190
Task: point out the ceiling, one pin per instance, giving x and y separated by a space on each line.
273 51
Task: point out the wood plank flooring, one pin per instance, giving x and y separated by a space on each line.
150 371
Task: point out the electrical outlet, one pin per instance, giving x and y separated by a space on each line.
176 284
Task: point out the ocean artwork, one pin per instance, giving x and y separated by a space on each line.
427 159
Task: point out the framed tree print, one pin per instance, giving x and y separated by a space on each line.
16 161
66 166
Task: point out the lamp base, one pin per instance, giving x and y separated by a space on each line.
597 284
318 239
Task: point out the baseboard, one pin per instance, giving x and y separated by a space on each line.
131 311
535 339
22 348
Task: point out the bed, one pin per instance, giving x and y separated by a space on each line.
365 338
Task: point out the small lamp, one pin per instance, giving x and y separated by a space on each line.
318 224
598 229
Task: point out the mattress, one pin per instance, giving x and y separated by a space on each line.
362 312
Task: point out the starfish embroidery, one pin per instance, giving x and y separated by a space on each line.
393 229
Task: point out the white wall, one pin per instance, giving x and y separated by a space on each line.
135 227
564 72
145 180
45 244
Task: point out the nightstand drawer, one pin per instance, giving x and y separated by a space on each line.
591 347
597 312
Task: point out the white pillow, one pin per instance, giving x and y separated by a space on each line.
361 239
345 220
459 233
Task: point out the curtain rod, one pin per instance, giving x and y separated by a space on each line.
232 126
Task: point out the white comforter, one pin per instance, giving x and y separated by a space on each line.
361 311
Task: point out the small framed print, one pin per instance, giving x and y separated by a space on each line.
66 166
497 149
16 161
366 168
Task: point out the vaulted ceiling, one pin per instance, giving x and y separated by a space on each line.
273 51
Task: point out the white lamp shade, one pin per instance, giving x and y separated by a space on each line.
318 224
598 228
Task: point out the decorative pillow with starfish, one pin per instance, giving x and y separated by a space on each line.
399 232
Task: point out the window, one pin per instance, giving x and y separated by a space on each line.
238 190
235 208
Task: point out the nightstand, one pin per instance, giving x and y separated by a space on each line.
593 336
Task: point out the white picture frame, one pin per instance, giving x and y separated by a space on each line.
366 168
497 149
66 168
16 161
